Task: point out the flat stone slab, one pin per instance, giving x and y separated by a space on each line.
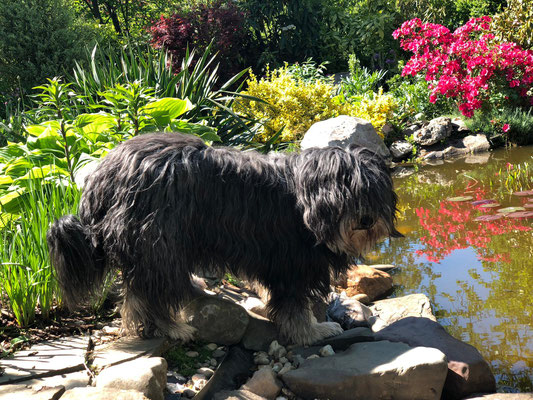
45 359
372 370
23 392
126 349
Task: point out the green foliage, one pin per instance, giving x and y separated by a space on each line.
520 125
56 148
38 39
309 71
197 81
515 23
412 96
360 81
26 276
177 357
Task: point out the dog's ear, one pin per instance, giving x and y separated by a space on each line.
324 189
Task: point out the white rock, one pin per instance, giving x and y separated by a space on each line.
192 354
211 346
326 351
264 383
207 372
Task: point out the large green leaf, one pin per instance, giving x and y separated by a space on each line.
17 167
12 201
207 133
94 123
11 151
164 110
41 172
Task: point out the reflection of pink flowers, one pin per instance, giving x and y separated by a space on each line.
505 127
448 229
509 166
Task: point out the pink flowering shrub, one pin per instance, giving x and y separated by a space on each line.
468 65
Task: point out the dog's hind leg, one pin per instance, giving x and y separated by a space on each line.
136 315
298 324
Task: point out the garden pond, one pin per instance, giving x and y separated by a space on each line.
478 272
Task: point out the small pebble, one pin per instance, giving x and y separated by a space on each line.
211 346
207 372
277 367
298 360
213 362
111 330
189 393
312 356
192 354
326 351
285 369
197 377
283 360
218 353
261 358
276 350
281 398
287 393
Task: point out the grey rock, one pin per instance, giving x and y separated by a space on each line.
261 358
217 320
237 395
466 146
286 368
459 125
211 346
343 131
219 353
385 370
401 149
47 358
259 333
347 338
276 350
347 311
93 393
127 349
192 354
468 371
326 351
146 375
436 130
387 311
207 372
264 383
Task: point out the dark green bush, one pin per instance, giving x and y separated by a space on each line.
38 39
504 126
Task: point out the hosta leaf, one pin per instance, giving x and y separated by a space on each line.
164 110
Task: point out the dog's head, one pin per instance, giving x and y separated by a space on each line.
346 197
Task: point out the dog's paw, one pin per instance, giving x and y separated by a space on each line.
324 330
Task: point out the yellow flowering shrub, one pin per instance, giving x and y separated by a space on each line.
377 109
296 105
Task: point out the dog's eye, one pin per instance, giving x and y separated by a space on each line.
366 222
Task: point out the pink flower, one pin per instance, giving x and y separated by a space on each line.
505 127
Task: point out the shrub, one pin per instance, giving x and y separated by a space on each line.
507 125
515 23
468 65
220 21
38 39
290 104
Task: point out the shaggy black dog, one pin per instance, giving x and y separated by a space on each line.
161 207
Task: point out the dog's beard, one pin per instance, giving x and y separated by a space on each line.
358 242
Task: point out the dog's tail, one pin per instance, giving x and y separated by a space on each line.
79 270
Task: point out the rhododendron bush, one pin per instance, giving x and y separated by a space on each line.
468 65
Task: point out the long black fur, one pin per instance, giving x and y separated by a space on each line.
162 206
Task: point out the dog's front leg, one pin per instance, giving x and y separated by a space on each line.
298 324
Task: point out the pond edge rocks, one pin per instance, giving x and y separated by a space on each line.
398 350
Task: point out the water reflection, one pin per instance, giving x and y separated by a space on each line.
479 275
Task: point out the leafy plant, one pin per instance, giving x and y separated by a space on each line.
196 80
289 105
515 23
360 82
218 24
38 39
58 147
25 272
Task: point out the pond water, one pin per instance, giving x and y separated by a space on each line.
478 274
